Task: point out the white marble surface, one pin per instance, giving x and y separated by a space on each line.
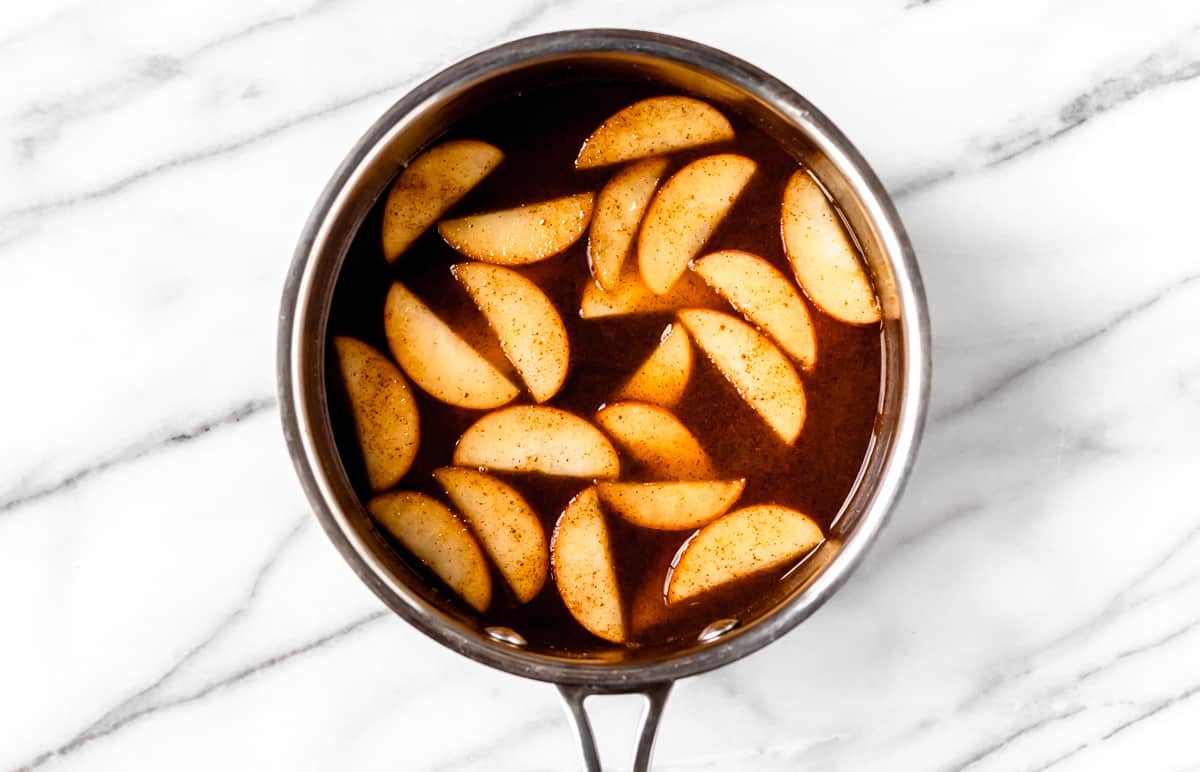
168 602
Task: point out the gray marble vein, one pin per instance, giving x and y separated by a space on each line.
129 718
1002 383
141 701
955 513
1158 707
14 499
223 149
1006 741
147 73
1177 62
1136 651
1123 602
201 155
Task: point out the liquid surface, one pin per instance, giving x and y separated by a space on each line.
540 133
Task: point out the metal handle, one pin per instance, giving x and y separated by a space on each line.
573 697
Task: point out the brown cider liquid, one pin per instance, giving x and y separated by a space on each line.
540 132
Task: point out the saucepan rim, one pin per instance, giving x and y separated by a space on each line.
310 279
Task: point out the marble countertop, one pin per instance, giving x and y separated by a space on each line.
169 602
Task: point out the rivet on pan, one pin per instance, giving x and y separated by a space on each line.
507 635
716 630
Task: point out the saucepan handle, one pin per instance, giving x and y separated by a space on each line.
573 697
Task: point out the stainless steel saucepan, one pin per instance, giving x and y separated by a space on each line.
735 87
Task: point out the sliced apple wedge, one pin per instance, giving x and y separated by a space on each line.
531 332
619 210
437 358
630 296
764 296
685 212
431 532
523 235
432 183
652 127
671 506
824 260
741 543
656 440
583 568
759 371
528 438
509 529
663 377
385 415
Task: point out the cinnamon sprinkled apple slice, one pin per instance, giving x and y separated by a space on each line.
385 415
685 212
739 544
671 506
432 183
630 296
765 297
437 358
430 531
522 235
527 438
822 256
619 209
583 568
656 440
652 127
510 530
664 376
759 371
531 332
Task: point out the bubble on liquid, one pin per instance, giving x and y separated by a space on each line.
506 635
716 630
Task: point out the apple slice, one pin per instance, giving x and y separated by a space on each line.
826 264
630 296
523 235
619 210
755 366
741 543
531 332
764 296
528 438
583 568
385 415
656 440
510 530
671 506
437 358
652 127
684 214
431 532
432 183
664 376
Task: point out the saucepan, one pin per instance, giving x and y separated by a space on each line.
734 86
